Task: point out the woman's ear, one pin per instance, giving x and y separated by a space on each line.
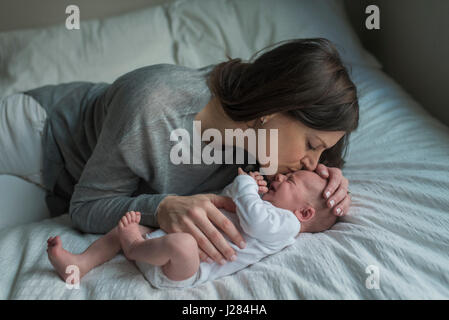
305 214
260 121
269 117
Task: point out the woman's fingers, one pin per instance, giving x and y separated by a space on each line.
223 223
212 242
201 231
335 180
220 220
204 257
336 192
342 208
199 215
336 201
322 170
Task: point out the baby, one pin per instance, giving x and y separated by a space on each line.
292 204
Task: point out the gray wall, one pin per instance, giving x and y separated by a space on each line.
412 44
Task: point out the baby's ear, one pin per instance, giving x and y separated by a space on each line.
305 214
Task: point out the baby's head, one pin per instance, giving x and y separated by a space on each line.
301 192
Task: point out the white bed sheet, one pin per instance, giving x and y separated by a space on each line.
398 167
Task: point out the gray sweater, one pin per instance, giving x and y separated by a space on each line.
107 146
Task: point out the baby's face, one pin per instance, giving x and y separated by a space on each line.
295 189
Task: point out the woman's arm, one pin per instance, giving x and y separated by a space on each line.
130 148
104 192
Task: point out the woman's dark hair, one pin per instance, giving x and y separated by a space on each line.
304 78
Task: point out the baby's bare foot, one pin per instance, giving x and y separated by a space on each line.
128 231
61 259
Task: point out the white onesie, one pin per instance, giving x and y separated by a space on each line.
265 228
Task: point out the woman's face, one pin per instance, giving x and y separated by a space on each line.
299 147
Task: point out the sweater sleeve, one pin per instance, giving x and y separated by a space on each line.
104 192
259 219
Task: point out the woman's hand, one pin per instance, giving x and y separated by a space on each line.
336 191
258 177
199 216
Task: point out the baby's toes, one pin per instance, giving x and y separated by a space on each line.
52 241
137 217
124 221
134 217
131 216
58 240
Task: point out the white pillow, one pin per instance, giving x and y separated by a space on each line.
193 33
101 50
206 30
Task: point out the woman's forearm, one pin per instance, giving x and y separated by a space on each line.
102 215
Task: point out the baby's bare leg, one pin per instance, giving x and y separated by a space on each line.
99 252
176 253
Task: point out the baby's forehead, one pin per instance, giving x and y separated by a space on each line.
307 174
310 178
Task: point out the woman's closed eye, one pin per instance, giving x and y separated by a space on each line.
309 146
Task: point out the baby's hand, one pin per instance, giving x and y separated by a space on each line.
241 172
258 178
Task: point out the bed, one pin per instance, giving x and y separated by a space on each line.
394 242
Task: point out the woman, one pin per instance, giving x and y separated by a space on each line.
107 147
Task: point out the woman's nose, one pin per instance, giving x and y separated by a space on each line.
310 162
279 177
